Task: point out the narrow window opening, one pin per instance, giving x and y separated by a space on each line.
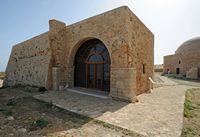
179 62
144 68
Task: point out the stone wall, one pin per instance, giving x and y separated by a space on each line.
187 61
112 29
58 41
142 42
29 62
192 73
128 40
129 43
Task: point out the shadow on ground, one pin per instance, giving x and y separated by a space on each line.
24 110
81 104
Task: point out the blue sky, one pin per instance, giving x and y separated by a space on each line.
171 21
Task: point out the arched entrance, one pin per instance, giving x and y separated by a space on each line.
92 66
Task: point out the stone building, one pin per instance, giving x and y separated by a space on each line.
111 52
186 60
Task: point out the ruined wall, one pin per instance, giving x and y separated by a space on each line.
29 62
188 61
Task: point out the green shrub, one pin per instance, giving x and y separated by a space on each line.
6 112
38 124
188 132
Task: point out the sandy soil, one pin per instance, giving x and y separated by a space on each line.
1 83
18 111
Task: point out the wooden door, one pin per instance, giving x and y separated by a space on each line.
94 75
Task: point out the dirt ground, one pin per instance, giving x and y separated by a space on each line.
195 83
191 125
22 116
1 83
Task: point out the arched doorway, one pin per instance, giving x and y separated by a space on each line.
92 66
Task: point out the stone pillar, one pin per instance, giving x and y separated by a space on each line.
57 38
58 78
123 84
57 41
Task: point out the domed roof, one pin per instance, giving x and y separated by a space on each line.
190 46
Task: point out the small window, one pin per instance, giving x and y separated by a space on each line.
144 68
179 62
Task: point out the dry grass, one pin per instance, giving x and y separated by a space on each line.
192 114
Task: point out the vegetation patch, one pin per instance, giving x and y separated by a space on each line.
188 106
38 124
116 128
27 116
191 124
188 132
6 112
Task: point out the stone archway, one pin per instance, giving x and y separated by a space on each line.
92 66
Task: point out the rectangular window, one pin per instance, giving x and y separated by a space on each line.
144 68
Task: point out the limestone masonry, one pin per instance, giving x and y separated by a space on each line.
123 67
186 60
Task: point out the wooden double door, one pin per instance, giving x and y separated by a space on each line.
92 66
94 75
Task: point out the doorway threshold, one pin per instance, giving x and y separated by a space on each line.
90 92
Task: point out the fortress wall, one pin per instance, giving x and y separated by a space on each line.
129 42
142 49
188 61
29 62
